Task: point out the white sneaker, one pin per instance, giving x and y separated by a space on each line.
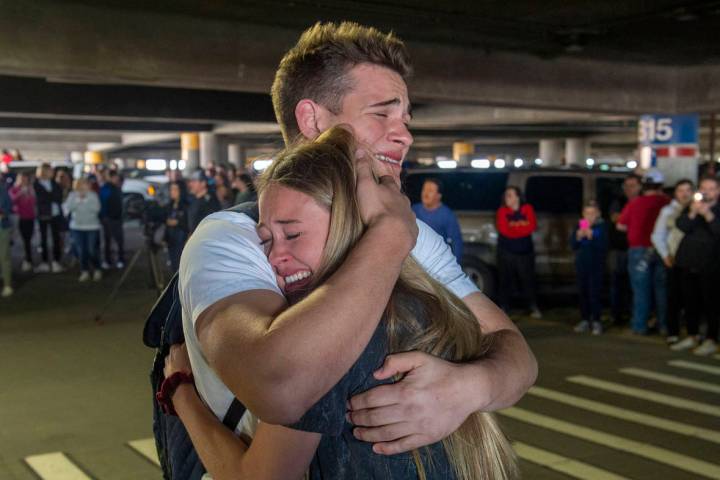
44 267
105 266
685 344
119 265
708 347
97 275
597 328
6 291
582 327
55 267
536 313
26 266
84 276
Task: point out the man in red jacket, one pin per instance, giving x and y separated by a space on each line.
646 269
515 222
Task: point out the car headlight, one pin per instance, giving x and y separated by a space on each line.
151 190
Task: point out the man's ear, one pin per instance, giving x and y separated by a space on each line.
309 117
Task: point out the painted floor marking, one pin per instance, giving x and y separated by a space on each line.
568 466
627 415
146 448
672 379
649 395
656 454
55 466
700 367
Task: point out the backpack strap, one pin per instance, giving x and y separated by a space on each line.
234 414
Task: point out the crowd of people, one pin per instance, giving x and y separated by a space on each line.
80 221
662 247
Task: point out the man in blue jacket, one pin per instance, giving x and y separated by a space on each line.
432 211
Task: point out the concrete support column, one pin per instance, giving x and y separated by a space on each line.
190 145
462 153
576 151
208 150
236 155
551 152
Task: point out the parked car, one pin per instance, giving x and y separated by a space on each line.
138 188
557 196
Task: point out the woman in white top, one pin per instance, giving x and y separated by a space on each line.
83 205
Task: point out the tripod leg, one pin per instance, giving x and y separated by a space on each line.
118 284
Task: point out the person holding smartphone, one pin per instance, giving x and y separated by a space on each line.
589 241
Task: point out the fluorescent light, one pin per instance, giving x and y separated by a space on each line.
155 164
181 164
631 164
604 167
480 163
518 162
260 165
447 163
499 163
173 164
538 161
590 162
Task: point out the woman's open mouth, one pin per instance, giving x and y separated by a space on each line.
297 280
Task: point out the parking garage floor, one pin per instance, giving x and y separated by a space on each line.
75 400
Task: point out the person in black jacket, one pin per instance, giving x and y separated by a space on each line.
111 213
699 257
49 209
176 224
204 202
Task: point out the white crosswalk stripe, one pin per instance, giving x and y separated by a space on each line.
146 448
656 454
672 379
568 466
652 396
627 415
700 367
55 466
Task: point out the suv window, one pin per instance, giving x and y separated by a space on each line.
461 190
608 189
561 194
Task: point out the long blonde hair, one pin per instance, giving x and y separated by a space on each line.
324 170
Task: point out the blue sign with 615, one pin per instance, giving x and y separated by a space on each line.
668 129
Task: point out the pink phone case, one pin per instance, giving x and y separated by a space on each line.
584 224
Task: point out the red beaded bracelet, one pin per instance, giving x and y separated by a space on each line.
167 389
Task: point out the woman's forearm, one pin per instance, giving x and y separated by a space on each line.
219 449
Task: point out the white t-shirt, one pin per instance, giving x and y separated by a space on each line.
224 257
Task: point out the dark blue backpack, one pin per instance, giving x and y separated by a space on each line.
163 328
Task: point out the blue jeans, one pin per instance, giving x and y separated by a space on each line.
86 244
647 274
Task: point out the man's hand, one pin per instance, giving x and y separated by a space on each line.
668 261
422 408
383 204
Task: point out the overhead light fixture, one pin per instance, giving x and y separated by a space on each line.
590 162
538 161
155 164
260 165
518 162
632 164
447 163
181 164
499 163
480 163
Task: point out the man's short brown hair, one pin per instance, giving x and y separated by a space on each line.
317 67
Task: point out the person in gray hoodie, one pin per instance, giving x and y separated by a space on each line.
83 205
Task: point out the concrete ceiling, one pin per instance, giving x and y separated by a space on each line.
494 73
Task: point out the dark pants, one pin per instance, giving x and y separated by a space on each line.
675 301
55 224
589 282
27 227
175 239
619 285
700 294
113 231
517 274
647 277
86 243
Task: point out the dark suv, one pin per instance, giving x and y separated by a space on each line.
557 196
